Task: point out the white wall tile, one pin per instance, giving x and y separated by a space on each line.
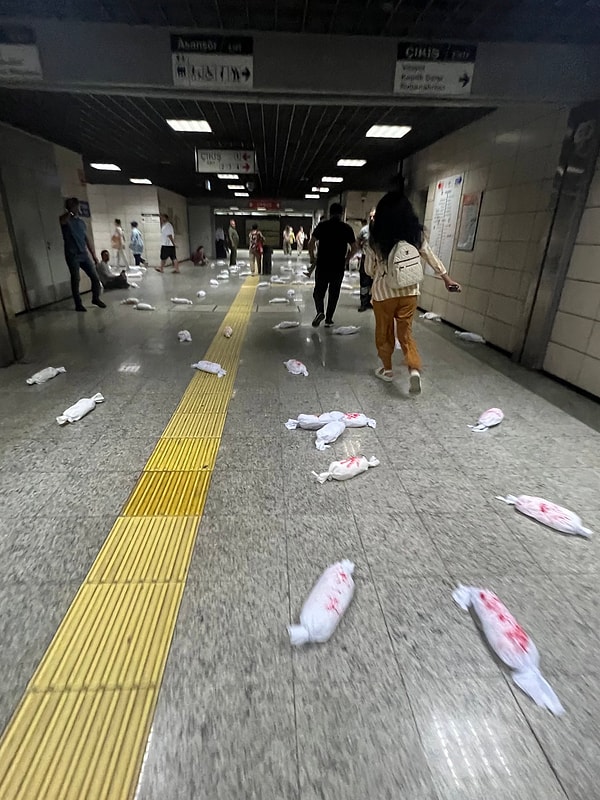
589 375
585 263
563 362
581 298
571 331
589 229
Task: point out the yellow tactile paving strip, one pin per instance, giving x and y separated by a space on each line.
80 731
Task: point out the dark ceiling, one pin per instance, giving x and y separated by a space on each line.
295 145
464 20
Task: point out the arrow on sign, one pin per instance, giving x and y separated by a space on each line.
464 80
246 73
245 156
246 167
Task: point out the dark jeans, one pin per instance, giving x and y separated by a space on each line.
137 257
233 257
75 263
366 282
328 282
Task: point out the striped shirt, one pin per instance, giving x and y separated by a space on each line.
375 266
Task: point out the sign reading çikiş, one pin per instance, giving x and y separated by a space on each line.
212 62
19 56
240 162
435 69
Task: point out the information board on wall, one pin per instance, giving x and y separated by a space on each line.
446 205
212 62
467 230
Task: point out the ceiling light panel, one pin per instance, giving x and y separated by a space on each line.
107 167
351 162
145 181
241 194
226 177
388 131
189 125
312 196
331 179
234 186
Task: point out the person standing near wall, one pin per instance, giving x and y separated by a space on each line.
365 280
336 245
234 242
78 250
220 248
256 243
395 226
136 244
118 245
300 239
167 245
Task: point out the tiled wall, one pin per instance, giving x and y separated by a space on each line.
511 156
129 204
573 353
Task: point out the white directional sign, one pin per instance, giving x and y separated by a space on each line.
240 162
212 62
19 57
436 70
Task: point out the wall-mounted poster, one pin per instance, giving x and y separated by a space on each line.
446 206
467 231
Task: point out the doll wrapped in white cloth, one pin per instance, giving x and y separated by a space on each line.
313 422
346 469
557 517
210 366
182 301
45 375
489 419
295 367
328 434
184 336
80 409
284 324
325 605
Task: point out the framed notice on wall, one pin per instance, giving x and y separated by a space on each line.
446 205
467 231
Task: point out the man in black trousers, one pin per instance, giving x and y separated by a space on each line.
336 245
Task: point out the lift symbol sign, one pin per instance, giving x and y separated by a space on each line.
212 62
434 69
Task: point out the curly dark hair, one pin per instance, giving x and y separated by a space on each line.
395 221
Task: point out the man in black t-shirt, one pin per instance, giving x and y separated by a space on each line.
336 245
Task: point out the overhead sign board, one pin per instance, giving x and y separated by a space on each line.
240 162
434 69
264 205
19 56
212 62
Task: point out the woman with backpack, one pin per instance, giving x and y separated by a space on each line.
393 259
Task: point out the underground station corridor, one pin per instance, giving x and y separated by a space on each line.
257 543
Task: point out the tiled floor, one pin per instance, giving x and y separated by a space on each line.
405 701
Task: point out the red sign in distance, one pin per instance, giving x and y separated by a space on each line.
267 205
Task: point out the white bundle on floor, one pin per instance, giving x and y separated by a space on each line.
246 273
220 263
432 316
130 301
277 279
45 375
467 336
145 307
291 293
325 605
328 434
182 301
234 268
263 285
358 420
557 517
278 300
210 366
201 293
346 285
346 330
295 367
223 278
313 422
241 264
228 332
80 409
285 324
489 418
133 285
184 336
356 293
510 643
213 282
348 468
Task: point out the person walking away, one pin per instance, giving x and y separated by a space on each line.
256 243
234 242
336 245
288 240
108 279
300 239
78 250
220 248
393 259
118 245
365 280
136 244
167 245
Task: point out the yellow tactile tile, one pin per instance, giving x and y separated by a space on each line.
80 730
77 745
184 454
150 549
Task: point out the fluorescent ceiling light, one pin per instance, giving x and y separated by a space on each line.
351 162
261 208
225 177
140 180
234 186
331 178
234 208
107 167
323 189
189 125
288 210
388 131
241 194
312 196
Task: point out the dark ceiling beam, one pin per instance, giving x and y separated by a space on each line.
386 25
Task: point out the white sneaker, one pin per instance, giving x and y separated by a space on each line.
415 382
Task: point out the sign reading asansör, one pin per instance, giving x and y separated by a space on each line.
212 62
436 69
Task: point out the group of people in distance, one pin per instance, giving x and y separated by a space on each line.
290 238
